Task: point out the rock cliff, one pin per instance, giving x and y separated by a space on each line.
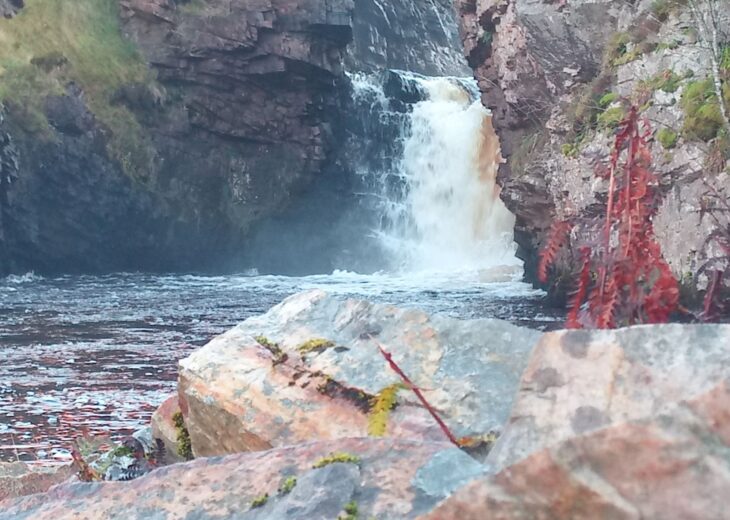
161 134
558 77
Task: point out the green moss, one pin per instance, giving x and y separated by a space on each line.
667 45
633 55
352 510
610 118
725 60
570 150
333 458
668 138
382 405
702 116
287 486
51 44
122 451
617 47
667 81
184 446
260 501
719 153
193 7
315 345
607 99
279 355
663 8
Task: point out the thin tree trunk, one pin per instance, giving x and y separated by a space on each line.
707 23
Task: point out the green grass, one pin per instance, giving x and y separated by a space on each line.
192 6
667 138
702 116
610 118
52 43
607 99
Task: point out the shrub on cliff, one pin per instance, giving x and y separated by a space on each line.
623 278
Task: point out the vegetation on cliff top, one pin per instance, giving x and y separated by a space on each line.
51 44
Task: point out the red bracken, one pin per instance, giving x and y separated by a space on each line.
623 278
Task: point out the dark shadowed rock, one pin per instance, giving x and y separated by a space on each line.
387 479
310 369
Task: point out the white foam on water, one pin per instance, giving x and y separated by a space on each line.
440 204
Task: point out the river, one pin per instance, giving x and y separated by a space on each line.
96 355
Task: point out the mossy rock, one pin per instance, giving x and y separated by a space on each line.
667 138
611 118
702 115
184 445
570 150
315 345
334 458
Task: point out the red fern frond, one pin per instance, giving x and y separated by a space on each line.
633 282
579 296
407 381
556 238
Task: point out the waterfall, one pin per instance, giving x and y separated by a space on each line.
433 182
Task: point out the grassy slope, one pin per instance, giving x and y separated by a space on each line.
53 42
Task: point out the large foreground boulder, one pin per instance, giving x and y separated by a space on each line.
18 479
310 369
674 466
579 381
381 478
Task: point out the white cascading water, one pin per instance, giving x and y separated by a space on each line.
446 216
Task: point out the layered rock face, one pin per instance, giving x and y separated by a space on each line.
238 119
558 76
234 125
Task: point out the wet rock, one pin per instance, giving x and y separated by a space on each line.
420 37
164 429
18 479
580 381
386 479
310 369
672 466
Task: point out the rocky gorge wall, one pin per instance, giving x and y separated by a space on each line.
559 76
212 120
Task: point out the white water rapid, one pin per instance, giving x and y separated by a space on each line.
439 200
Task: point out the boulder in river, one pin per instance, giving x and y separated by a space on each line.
310 369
